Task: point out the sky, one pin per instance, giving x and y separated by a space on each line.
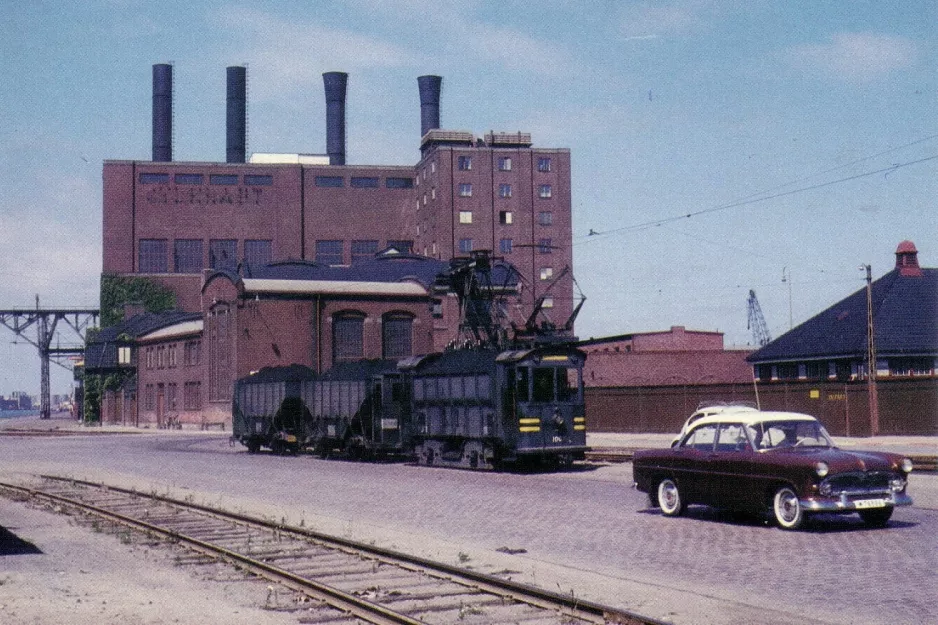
717 147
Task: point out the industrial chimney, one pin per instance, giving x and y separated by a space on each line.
236 136
162 112
335 83
429 102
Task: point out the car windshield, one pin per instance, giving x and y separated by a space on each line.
786 434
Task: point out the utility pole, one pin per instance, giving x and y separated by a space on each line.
787 278
871 354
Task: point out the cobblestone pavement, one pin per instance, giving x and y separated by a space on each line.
584 531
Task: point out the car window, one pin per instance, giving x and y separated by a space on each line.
701 438
732 437
781 434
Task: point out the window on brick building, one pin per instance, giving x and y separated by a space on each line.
465 189
399 183
348 336
504 246
543 164
192 396
545 191
223 179
465 217
363 250
329 252
220 362
544 246
465 246
504 190
404 247
153 255
464 163
187 255
504 163
504 218
547 273
149 178
364 182
258 252
260 180
188 178
397 335
330 181
223 253
545 218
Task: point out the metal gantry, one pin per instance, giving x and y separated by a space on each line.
46 322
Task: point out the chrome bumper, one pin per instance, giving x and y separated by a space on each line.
843 504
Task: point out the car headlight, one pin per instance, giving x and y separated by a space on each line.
906 465
897 484
821 469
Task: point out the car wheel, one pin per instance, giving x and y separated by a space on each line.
669 498
876 518
788 511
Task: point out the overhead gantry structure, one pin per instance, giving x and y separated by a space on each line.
46 322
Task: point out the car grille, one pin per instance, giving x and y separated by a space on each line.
857 483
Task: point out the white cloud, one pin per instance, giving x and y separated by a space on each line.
853 57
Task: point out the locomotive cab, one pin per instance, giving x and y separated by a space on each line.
544 412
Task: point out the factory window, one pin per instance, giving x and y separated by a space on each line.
545 191
153 255
548 302
465 189
187 178
154 178
504 246
258 181
464 163
544 246
545 218
223 253
192 353
171 396
432 167
432 193
543 164
192 396
330 181
465 245
399 183
404 247
360 182
258 252
329 252
187 255
223 179
123 355
547 273
348 337
363 250
504 218
397 335
220 374
504 164
504 190
465 217
148 402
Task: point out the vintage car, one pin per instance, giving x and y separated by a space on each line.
783 463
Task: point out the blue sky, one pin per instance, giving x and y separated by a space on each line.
716 146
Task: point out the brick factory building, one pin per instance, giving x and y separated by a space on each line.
319 235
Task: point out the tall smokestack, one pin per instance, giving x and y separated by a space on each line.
429 102
162 112
335 83
236 136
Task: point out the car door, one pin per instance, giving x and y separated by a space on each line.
731 467
692 463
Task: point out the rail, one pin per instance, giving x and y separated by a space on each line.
338 572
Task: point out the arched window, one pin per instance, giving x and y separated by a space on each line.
397 335
221 373
348 336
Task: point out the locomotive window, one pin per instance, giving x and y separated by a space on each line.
455 388
543 384
485 389
568 384
521 384
418 389
397 391
470 386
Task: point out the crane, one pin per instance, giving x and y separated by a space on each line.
756 323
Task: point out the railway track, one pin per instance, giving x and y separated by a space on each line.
332 580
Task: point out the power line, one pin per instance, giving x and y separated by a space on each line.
594 235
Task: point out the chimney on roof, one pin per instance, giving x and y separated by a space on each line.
162 112
335 84
236 115
907 260
429 87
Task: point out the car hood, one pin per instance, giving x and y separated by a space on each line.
842 461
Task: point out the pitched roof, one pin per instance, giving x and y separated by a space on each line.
101 350
905 322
